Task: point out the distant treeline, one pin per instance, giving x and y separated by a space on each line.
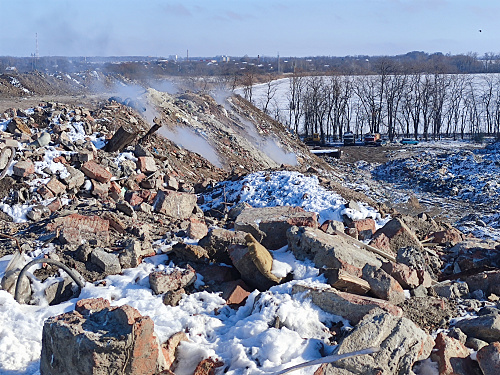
140 66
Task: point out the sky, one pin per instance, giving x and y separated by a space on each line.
243 27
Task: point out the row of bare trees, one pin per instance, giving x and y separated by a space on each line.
391 102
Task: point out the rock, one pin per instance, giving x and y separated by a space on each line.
23 168
457 334
451 289
237 209
100 189
383 285
269 225
170 347
17 126
58 291
401 344
38 212
100 343
215 275
330 226
399 235
197 228
328 251
417 259
345 282
126 208
175 204
448 237
472 254
190 253
475 344
404 275
488 282
9 281
420 291
88 227
217 242
96 172
488 358
453 357
43 140
235 292
75 179
173 297
133 253
254 262
146 164
208 366
108 262
89 306
163 281
486 327
364 227
44 192
350 306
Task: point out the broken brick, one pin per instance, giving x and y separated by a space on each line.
96 172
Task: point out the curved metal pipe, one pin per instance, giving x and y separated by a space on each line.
49 261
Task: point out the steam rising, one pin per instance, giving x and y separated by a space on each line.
268 145
191 141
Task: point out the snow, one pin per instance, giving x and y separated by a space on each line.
284 188
241 338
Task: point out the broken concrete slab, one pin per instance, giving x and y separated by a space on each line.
401 342
163 281
175 204
350 306
328 251
269 225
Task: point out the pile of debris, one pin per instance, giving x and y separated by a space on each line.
95 191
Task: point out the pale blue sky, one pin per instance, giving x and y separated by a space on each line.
239 27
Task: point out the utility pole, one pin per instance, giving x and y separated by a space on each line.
279 63
36 49
187 55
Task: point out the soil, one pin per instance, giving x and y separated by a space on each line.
430 313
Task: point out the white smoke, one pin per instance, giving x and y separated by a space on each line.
191 141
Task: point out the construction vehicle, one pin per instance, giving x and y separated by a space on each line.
371 139
313 140
349 139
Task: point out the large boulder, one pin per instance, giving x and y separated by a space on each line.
329 251
98 339
269 225
217 242
401 342
350 306
254 262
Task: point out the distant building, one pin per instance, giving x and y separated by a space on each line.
172 57
223 58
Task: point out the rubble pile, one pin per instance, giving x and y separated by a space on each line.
94 190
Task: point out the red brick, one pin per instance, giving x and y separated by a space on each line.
133 198
91 224
146 164
56 186
235 292
100 189
96 171
208 366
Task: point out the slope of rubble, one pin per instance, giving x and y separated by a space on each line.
197 236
